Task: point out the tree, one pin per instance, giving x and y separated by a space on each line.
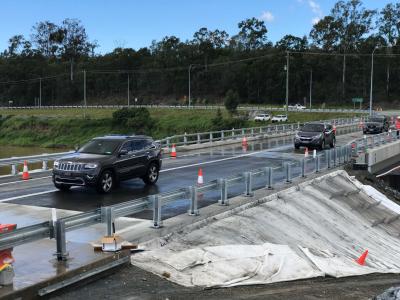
252 34
46 37
293 43
231 101
389 23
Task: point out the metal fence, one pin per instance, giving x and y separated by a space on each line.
222 190
187 139
210 107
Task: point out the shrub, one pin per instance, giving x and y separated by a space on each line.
136 120
231 101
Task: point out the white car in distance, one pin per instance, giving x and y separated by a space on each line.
279 118
262 117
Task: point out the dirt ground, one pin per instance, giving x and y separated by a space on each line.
130 282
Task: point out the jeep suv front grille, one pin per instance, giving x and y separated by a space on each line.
70 167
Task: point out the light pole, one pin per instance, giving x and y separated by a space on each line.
40 92
287 83
372 74
128 91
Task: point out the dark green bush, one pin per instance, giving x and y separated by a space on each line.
231 101
133 120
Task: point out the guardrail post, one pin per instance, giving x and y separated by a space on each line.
193 211
168 143
185 139
44 165
268 172
222 135
211 137
248 180
287 172
252 131
233 132
157 205
317 163
14 170
224 192
243 131
303 167
334 156
198 138
61 243
107 216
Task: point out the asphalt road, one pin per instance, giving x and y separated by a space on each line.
176 173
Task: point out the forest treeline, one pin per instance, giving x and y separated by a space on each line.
336 56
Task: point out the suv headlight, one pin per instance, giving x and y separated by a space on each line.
318 136
56 164
91 166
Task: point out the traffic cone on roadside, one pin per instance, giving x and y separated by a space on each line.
244 141
306 152
361 259
200 179
173 151
25 173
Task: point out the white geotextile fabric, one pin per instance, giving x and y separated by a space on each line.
228 265
318 228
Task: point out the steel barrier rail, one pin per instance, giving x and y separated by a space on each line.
206 107
24 235
32 158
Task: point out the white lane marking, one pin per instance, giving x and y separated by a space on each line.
28 195
166 170
33 179
212 161
390 171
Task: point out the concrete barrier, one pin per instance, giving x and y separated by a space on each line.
383 156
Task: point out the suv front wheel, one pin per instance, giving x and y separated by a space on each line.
106 182
62 187
152 173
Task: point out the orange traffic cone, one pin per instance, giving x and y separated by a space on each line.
173 151
244 141
361 259
361 123
306 152
25 173
244 148
334 128
200 179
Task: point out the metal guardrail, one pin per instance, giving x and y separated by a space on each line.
184 140
208 107
266 177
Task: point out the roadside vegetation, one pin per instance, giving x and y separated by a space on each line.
69 127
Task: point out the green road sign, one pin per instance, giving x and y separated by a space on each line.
357 100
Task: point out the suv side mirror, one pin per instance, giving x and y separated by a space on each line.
76 148
153 146
123 152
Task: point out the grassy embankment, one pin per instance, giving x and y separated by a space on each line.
68 127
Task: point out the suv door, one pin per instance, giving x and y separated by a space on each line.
141 149
329 135
124 163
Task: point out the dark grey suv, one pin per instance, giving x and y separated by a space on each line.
315 135
376 124
105 161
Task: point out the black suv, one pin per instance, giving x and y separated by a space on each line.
376 124
315 135
104 161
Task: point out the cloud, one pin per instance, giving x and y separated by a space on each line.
317 11
315 20
267 16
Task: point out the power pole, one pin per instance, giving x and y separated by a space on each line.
310 88
40 92
287 83
72 69
84 93
190 66
128 91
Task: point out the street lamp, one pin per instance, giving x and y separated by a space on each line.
287 83
40 89
372 74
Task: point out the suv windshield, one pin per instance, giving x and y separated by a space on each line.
313 127
377 120
102 147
